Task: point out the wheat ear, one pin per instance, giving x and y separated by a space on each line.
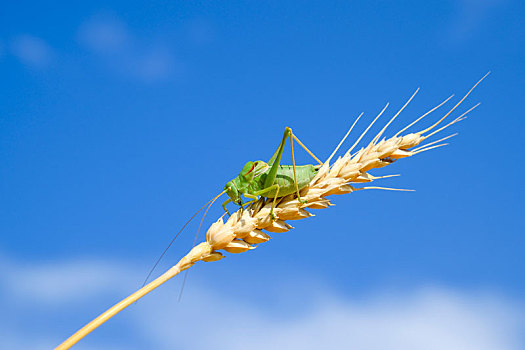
243 230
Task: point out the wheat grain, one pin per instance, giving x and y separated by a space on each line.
243 229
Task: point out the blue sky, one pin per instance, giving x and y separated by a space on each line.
118 121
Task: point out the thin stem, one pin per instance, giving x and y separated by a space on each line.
194 255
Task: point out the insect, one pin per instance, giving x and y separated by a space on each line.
260 179
271 180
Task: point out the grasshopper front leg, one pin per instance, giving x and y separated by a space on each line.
224 206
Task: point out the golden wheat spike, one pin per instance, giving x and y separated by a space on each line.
243 230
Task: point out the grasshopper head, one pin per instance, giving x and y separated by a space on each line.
239 185
232 192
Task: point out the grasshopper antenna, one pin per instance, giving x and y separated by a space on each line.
177 235
196 236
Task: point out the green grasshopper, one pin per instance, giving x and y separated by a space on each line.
271 180
268 180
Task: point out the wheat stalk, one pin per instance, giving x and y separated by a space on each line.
243 229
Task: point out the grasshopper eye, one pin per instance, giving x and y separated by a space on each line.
247 168
247 171
251 169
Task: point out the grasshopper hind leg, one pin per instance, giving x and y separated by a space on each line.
292 138
275 161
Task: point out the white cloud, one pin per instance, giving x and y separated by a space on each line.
60 283
153 65
423 318
470 16
104 34
428 318
32 51
111 40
